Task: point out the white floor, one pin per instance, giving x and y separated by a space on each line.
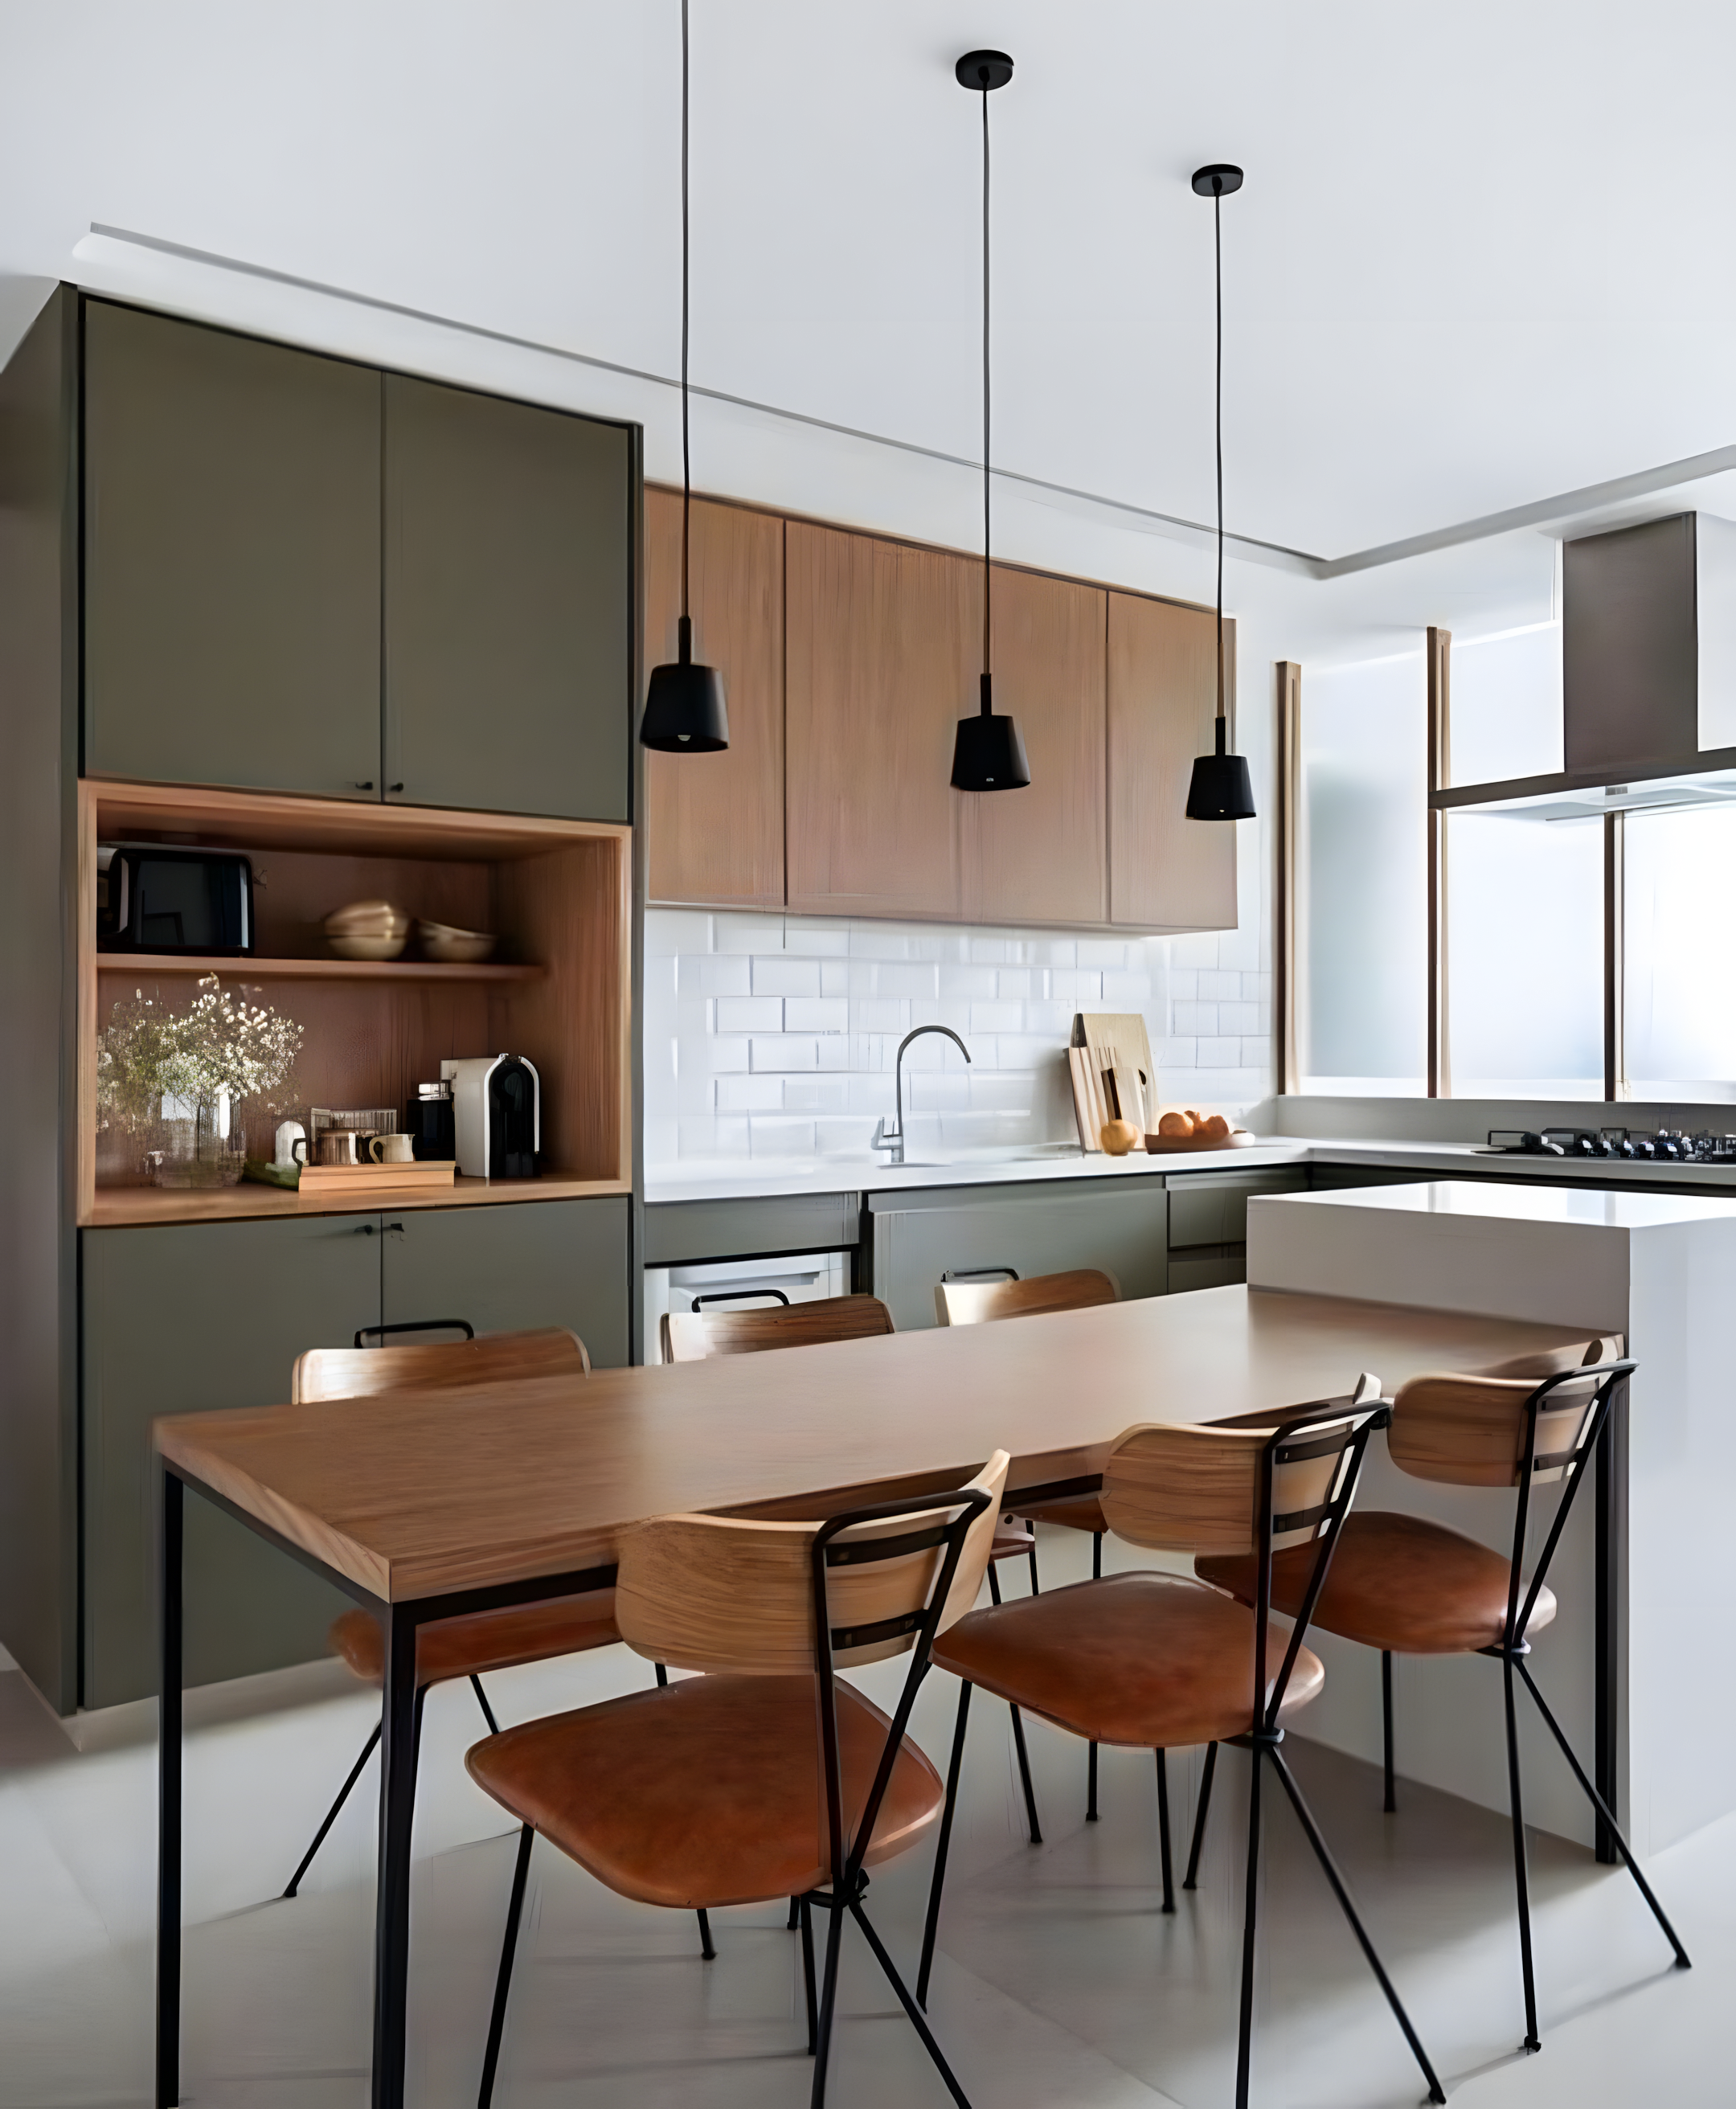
1058 1982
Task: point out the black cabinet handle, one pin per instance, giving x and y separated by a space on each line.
391 1228
368 786
365 1229
394 787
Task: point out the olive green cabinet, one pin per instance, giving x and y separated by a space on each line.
190 1318
507 601
304 575
232 559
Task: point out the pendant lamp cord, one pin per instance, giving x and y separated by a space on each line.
1217 419
987 573
686 458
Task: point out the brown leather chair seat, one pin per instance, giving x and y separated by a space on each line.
1397 1583
483 1639
710 1792
1077 1512
1148 1661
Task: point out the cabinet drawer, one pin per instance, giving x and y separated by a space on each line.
1211 1208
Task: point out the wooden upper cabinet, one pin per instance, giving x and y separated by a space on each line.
716 821
232 553
508 605
1165 871
883 651
1036 856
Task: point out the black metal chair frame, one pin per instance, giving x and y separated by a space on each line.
848 1880
1288 1444
1510 1651
741 1296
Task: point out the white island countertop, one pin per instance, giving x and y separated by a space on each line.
714 1179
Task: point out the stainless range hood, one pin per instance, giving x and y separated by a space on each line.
1648 676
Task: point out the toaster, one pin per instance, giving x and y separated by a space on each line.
496 1115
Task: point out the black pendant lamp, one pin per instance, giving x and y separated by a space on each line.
1222 788
684 712
987 755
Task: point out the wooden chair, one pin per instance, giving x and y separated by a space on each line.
690 1337
467 1647
959 1301
1409 1586
1159 1662
768 1775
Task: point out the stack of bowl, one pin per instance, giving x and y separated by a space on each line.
368 930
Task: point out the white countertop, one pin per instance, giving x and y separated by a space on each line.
749 1179
1596 1208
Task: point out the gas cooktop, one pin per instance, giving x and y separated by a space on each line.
1668 1145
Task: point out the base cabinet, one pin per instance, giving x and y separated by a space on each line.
194 1318
920 1235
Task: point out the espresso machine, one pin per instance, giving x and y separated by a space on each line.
496 1115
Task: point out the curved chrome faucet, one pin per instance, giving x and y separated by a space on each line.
892 1138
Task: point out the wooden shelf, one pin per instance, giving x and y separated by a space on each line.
253 968
120 1207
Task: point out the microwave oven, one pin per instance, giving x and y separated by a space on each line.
152 898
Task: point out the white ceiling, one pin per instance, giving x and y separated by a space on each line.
1483 256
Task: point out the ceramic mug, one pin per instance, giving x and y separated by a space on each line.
391 1148
337 1146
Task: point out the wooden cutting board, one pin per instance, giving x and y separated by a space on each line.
327 1180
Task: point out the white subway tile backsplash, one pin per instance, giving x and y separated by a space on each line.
938 1091
1126 989
750 1013
991 951
1256 1051
1082 987
957 1015
1218 1053
817 1013
1103 951
880 1013
786 976
714 974
817 941
1216 985
1193 1018
815 1094
727 1054
910 978
834 977
971 983
774 1134
1015 984
671 932
1184 984
750 1094
745 933
997 1018
1196 949
787 1051
1238 1018
1171 1057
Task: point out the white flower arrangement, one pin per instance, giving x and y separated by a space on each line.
221 1048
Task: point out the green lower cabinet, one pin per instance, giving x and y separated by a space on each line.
1036 1228
184 1318
507 1269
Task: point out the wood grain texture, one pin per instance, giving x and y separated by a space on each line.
1470 1431
413 1496
324 1373
884 647
118 1208
715 822
718 1594
1037 856
689 1336
1193 1489
978 1302
1165 872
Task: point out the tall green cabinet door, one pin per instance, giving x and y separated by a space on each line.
509 1268
231 551
508 605
184 1318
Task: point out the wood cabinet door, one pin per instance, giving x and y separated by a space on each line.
1036 856
507 1269
508 605
232 553
186 1318
1165 871
883 652
716 821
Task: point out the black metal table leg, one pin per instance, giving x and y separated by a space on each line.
171 1501
1606 1715
391 1940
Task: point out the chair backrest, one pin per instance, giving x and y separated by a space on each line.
1469 1430
1198 1488
324 1373
727 1593
975 1302
691 1336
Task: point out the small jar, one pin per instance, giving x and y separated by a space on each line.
429 1124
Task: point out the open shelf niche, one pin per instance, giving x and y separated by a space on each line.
559 892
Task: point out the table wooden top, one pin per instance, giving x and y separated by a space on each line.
412 1497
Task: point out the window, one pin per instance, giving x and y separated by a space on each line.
1679 998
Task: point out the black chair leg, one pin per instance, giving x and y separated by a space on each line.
918 2019
931 1922
1091 1783
1024 1756
1096 1555
1031 1556
1329 1867
504 1976
1521 1872
805 1914
488 1711
662 1675
794 1920
1163 1830
331 1816
828 2007
1391 1801
707 1952
1188 1880
1250 1930
1603 1810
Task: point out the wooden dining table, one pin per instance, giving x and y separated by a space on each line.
427 1505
